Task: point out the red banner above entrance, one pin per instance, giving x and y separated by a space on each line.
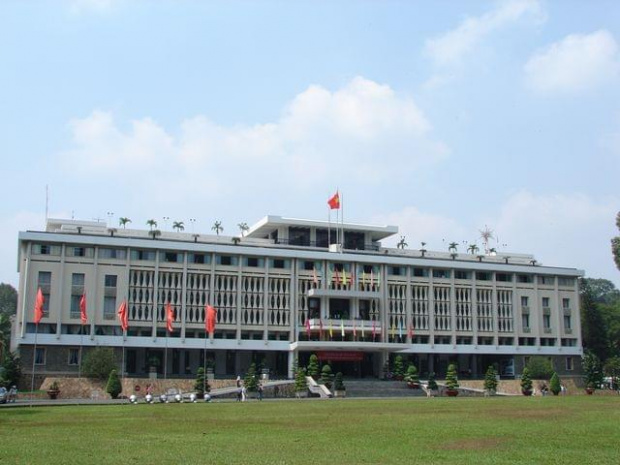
340 356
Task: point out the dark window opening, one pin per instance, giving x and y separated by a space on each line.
299 236
353 240
339 309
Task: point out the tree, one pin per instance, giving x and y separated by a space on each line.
11 369
398 369
593 328
411 376
554 384
202 384
114 387
327 376
452 382
526 382
490 380
473 249
591 365
8 299
539 368
301 385
151 224
217 227
602 291
615 244
453 247
402 244
612 369
99 362
432 384
5 334
178 225
250 381
244 228
123 222
155 233
338 383
313 367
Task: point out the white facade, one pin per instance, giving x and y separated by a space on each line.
279 290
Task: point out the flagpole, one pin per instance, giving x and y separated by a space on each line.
341 223
204 364
166 358
80 355
34 360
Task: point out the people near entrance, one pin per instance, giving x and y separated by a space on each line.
12 394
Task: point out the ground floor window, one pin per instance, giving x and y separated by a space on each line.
74 357
569 363
39 356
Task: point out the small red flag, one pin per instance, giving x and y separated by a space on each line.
169 317
38 307
210 320
334 202
122 315
83 317
410 331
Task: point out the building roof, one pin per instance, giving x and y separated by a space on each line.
271 223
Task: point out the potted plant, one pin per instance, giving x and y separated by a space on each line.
201 385
554 384
490 381
54 390
526 382
411 377
452 383
398 370
114 386
340 389
327 376
313 367
431 387
301 385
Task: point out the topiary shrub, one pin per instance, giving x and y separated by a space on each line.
338 382
398 370
313 367
327 376
432 384
250 381
452 382
411 377
554 384
114 387
490 380
526 382
202 384
300 380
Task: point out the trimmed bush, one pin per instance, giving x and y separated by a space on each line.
99 362
300 380
327 376
338 383
554 384
490 379
411 377
526 381
114 387
452 381
313 367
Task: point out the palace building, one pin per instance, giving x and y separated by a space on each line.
284 290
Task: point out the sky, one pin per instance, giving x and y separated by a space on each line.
439 117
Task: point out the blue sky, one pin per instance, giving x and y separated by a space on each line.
439 117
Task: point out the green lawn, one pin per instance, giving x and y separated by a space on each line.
543 430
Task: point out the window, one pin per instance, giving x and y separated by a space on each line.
566 304
77 280
252 262
396 270
226 260
79 251
525 322
309 265
117 254
74 357
45 249
39 356
198 258
547 321
110 280
525 301
109 307
545 301
461 274
483 276
503 277
280 263
171 257
566 282
524 278
420 272
546 280
144 255
299 236
567 322
441 274
569 364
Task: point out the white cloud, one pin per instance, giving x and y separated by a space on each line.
320 133
451 47
577 62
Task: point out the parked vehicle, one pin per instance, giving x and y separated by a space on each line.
4 395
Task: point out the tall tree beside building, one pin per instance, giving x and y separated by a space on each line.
8 299
593 328
615 244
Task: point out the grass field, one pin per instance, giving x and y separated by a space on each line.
544 430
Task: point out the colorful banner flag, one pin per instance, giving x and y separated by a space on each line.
169 317
122 315
331 332
83 317
38 307
334 201
321 327
344 278
342 328
210 320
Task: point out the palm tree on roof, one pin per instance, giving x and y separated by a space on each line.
151 224
402 244
453 246
178 225
244 228
473 248
123 222
217 227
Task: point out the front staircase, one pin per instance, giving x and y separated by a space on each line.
377 388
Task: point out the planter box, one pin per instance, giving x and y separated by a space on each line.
527 392
452 392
